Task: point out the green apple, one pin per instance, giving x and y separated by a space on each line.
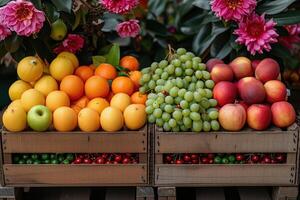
39 118
58 30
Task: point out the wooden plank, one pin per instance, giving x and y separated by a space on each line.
79 142
224 142
225 175
145 193
283 193
75 175
210 193
166 193
254 194
120 193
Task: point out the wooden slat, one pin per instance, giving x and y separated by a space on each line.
166 193
254 194
224 142
225 175
145 193
283 193
79 142
210 193
75 175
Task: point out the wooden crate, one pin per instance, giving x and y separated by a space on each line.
273 140
17 175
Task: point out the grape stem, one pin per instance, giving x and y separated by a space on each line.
171 53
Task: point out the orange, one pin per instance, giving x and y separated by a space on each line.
138 98
106 71
76 108
82 102
46 84
61 67
130 62
135 116
84 72
16 103
16 90
111 119
88 120
57 99
31 98
122 84
96 86
120 101
14 119
64 119
30 69
73 86
92 66
110 96
135 76
98 104
71 56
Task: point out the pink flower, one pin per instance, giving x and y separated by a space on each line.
4 32
293 37
22 17
129 28
119 6
256 33
293 29
232 9
72 43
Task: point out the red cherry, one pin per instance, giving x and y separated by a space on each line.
210 161
280 158
104 155
169 158
77 161
172 162
187 158
80 156
128 155
100 160
204 160
115 162
267 159
118 158
87 161
273 161
179 161
108 162
239 157
255 158
194 156
195 161
211 156
126 161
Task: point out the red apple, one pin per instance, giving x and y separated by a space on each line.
259 116
254 64
241 67
232 117
283 114
251 90
225 92
275 91
243 103
221 72
267 69
212 62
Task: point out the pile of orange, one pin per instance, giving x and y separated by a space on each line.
87 97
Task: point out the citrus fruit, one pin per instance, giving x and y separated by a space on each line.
46 84
31 98
58 30
64 119
82 102
76 108
61 67
16 90
135 77
16 103
73 86
96 86
111 119
88 120
84 72
122 84
71 56
14 119
130 62
135 116
120 101
138 98
98 104
56 99
110 96
106 71
30 69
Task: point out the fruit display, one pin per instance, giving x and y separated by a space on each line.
65 96
180 94
250 93
292 77
225 158
71 158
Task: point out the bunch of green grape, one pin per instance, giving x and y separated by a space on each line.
180 94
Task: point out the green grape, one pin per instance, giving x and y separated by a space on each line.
160 100
202 66
151 118
151 84
168 86
159 122
208 94
187 122
149 102
149 110
197 126
198 74
166 116
194 79
212 109
169 108
160 82
190 55
194 107
195 116
153 66
189 72
205 117
209 84
202 92
181 92
146 70
169 100
163 64
215 125
186 112
206 75
143 89
183 128
189 96
157 113
155 104
213 102
146 78
197 96
159 88
179 83
170 69
176 62
176 129
166 126
213 115
184 104
177 115
173 81
155 77
197 59
162 106
192 87
183 58
188 79
188 64
158 71
165 75
152 96
172 123
181 51
174 91
178 71
178 100
206 126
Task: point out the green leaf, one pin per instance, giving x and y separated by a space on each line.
274 7
219 49
12 43
113 56
204 4
4 2
78 16
156 28
289 17
65 5
193 25
285 55
97 60
157 6
51 12
37 4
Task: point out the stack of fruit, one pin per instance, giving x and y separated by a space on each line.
255 86
221 158
44 158
181 97
68 95
106 158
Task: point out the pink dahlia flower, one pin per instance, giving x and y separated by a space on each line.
4 32
232 9
256 33
129 28
293 29
293 37
119 6
22 17
73 43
